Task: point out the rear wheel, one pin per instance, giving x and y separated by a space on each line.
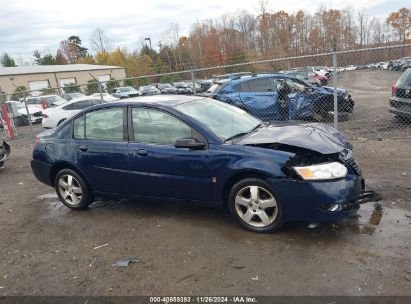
72 190
253 204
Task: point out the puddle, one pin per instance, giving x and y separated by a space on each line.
368 219
51 195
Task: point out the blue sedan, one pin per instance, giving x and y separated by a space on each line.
205 151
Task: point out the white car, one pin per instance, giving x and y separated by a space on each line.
106 96
35 111
53 117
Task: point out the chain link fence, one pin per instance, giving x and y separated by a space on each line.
365 93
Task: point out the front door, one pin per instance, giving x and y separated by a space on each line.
259 98
158 169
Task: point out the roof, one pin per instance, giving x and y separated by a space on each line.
163 100
37 69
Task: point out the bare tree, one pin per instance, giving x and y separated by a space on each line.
99 41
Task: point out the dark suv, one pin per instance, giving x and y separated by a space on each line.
400 101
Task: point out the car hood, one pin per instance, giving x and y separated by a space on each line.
32 109
313 136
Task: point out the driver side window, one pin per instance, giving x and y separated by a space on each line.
153 126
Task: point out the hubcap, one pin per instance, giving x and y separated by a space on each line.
70 189
256 206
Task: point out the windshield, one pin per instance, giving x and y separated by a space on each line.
405 79
223 119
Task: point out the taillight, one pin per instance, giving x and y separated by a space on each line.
36 141
45 115
393 90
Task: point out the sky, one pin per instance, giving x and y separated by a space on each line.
26 25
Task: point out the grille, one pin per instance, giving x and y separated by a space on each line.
403 93
37 114
354 165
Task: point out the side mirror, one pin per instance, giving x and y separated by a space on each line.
190 143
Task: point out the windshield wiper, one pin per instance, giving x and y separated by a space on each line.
245 133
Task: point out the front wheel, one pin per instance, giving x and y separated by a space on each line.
72 190
253 204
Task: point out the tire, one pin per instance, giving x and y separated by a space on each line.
246 202
72 190
60 122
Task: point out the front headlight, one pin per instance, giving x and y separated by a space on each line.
332 170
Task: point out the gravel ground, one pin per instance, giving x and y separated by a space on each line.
184 249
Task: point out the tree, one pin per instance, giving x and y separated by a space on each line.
7 61
71 88
48 59
60 59
111 84
99 41
401 22
48 91
170 78
18 93
72 49
92 87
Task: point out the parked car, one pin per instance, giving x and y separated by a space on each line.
125 92
273 97
70 96
53 117
149 90
4 152
317 70
47 100
406 64
198 88
18 113
183 88
201 150
205 84
301 75
166 88
400 101
106 96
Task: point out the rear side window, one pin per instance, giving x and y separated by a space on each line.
255 85
104 124
79 127
405 79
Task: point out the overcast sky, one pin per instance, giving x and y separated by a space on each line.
26 25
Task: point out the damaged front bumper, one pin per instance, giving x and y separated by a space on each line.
321 201
4 152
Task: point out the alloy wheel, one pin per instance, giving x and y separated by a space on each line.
70 189
256 206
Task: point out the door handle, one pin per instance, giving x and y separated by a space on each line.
248 98
142 152
83 148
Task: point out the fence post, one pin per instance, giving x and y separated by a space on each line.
193 80
100 90
335 85
28 114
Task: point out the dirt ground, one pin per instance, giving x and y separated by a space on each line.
184 249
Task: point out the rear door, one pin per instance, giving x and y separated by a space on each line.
100 149
259 98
